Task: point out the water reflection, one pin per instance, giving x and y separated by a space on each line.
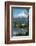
20 32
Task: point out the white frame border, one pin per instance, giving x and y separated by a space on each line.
30 32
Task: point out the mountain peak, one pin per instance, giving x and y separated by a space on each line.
20 15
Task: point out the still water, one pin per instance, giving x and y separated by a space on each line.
20 32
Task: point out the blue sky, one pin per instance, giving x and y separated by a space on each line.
17 10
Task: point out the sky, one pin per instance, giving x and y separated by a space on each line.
17 11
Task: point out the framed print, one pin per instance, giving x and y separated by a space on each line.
19 22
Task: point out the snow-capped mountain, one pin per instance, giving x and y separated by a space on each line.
20 15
